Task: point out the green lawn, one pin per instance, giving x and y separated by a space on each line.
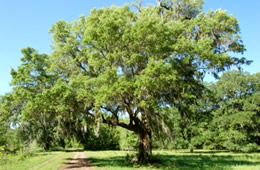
37 161
113 160
177 160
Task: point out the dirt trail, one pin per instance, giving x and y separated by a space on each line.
78 162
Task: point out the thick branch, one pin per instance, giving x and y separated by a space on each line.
117 123
162 6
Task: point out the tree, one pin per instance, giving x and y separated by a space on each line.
9 111
30 82
48 112
235 124
136 64
3 124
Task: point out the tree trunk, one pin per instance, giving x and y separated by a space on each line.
46 146
145 146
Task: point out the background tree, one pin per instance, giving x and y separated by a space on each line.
49 112
9 120
29 81
235 123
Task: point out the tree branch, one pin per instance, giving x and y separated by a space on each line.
162 6
117 123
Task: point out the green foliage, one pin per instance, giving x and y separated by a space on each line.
225 117
237 117
128 140
250 147
72 143
8 135
106 138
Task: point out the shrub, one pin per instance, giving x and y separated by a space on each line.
251 147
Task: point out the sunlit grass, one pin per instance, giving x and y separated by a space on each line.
176 160
109 160
36 161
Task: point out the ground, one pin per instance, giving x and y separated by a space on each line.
78 162
113 160
180 159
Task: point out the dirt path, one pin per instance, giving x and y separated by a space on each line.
78 162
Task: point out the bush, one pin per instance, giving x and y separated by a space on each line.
251 147
107 139
232 146
73 143
128 140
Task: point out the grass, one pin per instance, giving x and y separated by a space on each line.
176 160
36 161
113 160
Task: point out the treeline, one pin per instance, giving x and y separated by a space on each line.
226 117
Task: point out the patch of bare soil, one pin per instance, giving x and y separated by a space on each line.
78 162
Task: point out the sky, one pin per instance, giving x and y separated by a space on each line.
26 23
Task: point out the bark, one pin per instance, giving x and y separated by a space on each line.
140 127
46 146
145 146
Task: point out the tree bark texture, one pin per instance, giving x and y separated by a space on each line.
145 145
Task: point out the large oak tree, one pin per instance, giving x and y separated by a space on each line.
136 63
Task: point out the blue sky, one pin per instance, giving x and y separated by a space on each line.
27 22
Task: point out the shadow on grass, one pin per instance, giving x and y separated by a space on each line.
177 162
207 151
73 150
74 163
